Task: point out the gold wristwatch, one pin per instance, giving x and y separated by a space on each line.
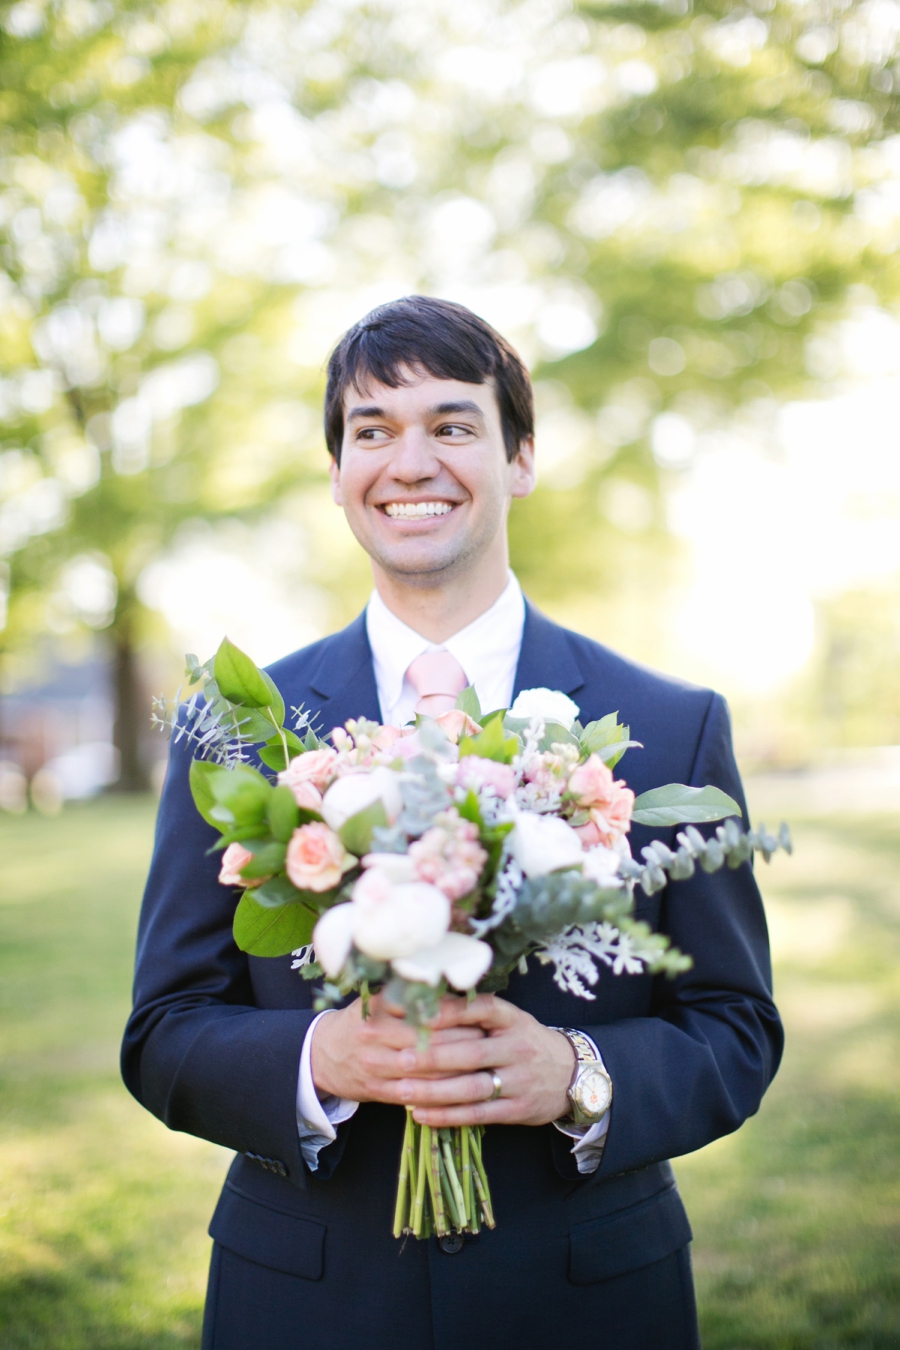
590 1090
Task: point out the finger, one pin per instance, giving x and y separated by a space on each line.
440 1092
503 1111
460 1056
484 1010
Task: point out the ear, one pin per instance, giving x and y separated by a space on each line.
524 476
335 475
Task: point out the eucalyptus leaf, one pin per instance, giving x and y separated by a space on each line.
467 702
278 931
556 734
239 679
677 804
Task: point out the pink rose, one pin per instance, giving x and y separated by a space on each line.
315 766
476 773
316 858
386 738
455 724
609 802
233 859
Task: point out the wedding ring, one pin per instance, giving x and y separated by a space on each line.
498 1085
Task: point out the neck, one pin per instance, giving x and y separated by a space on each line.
437 606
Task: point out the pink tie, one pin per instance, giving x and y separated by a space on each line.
437 678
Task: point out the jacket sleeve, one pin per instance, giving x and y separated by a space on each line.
197 1052
698 1066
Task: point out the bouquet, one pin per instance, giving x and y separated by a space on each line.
438 857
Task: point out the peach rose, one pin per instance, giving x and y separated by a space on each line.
233 859
315 766
455 724
610 802
308 796
316 859
386 738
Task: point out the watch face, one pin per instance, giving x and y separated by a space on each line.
593 1092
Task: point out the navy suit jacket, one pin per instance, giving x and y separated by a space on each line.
214 1041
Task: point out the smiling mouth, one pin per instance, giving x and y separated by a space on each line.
417 510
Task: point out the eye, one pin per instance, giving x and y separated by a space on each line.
453 431
371 434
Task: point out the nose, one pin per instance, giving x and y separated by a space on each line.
414 460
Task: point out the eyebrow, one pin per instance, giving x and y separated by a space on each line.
439 410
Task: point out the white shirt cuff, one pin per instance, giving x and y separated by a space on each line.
317 1117
590 1140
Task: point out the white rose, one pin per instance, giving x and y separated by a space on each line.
542 844
462 959
354 792
548 704
333 938
602 865
405 920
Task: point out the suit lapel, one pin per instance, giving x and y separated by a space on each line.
546 660
344 678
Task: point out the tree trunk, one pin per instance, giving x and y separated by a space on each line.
131 713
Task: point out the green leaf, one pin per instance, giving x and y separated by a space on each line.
254 726
262 931
283 814
239 680
267 858
556 734
200 779
607 738
677 804
356 833
279 890
467 702
492 743
276 702
470 810
242 792
273 754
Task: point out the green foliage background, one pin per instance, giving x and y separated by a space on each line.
666 206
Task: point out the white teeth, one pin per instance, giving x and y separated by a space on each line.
412 510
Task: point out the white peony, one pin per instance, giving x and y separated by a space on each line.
542 844
548 704
354 792
602 866
399 921
399 867
333 938
462 959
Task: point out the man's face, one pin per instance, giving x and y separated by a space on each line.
424 479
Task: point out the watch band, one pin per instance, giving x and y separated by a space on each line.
585 1051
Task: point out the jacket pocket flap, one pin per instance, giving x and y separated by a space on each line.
270 1237
628 1239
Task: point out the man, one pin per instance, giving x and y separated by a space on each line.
429 423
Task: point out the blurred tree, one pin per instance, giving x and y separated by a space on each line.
665 205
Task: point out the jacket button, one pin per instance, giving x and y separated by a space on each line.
451 1243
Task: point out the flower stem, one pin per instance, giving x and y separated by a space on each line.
401 1208
419 1206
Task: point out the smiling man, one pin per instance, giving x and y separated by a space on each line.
429 422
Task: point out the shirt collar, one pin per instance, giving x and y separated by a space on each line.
491 639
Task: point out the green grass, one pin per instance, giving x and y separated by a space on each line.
103 1213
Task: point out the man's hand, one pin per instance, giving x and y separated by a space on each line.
450 1082
359 1058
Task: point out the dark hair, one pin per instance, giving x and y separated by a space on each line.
446 340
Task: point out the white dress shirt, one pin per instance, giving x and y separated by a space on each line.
488 651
